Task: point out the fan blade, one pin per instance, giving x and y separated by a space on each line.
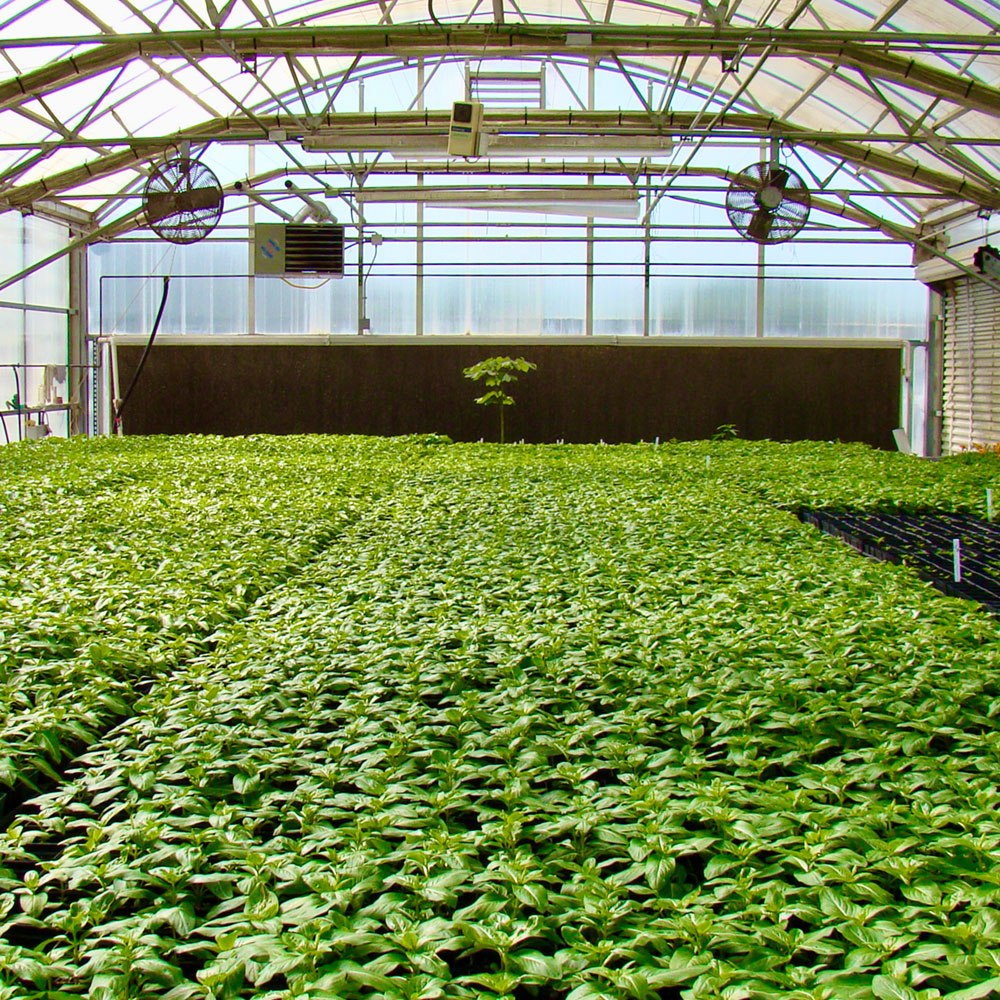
760 225
777 177
161 205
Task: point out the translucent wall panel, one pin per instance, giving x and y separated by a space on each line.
50 285
305 305
862 287
11 319
491 304
503 273
702 307
46 333
849 308
32 337
618 280
390 268
516 279
208 289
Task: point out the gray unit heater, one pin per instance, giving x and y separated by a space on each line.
293 248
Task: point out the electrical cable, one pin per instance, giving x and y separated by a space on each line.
3 420
308 288
371 264
367 275
145 354
430 10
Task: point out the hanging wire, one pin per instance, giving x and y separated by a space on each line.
170 270
117 420
307 288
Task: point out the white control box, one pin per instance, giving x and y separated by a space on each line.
463 132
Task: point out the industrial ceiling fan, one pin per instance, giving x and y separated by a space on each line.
767 203
182 200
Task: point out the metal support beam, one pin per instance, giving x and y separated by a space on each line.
588 309
772 157
572 129
647 250
935 373
890 56
418 289
251 248
78 380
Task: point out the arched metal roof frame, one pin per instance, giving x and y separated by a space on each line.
940 164
364 130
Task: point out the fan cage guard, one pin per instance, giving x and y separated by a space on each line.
742 206
182 200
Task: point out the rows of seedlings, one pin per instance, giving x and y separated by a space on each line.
119 559
835 475
553 725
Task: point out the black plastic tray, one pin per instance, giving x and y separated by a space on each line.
924 541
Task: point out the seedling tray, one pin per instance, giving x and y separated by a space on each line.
924 541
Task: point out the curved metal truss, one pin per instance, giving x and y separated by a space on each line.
902 95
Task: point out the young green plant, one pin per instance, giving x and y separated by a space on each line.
498 372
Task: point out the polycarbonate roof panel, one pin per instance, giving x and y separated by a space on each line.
919 111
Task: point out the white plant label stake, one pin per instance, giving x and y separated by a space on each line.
956 557
708 462
989 505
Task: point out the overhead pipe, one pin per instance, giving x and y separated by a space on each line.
313 209
269 205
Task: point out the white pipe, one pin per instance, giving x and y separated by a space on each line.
318 210
115 387
253 196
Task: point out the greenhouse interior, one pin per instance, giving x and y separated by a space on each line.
498 500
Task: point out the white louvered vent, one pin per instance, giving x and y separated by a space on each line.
971 365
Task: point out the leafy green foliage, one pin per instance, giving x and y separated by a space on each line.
120 559
725 432
555 723
497 372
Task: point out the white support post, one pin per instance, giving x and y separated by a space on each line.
361 231
362 326
761 261
759 331
78 378
647 222
906 400
419 249
251 248
647 247
935 374
588 320
418 291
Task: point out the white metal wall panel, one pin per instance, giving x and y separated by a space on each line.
971 365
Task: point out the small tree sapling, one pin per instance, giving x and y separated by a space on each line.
498 372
